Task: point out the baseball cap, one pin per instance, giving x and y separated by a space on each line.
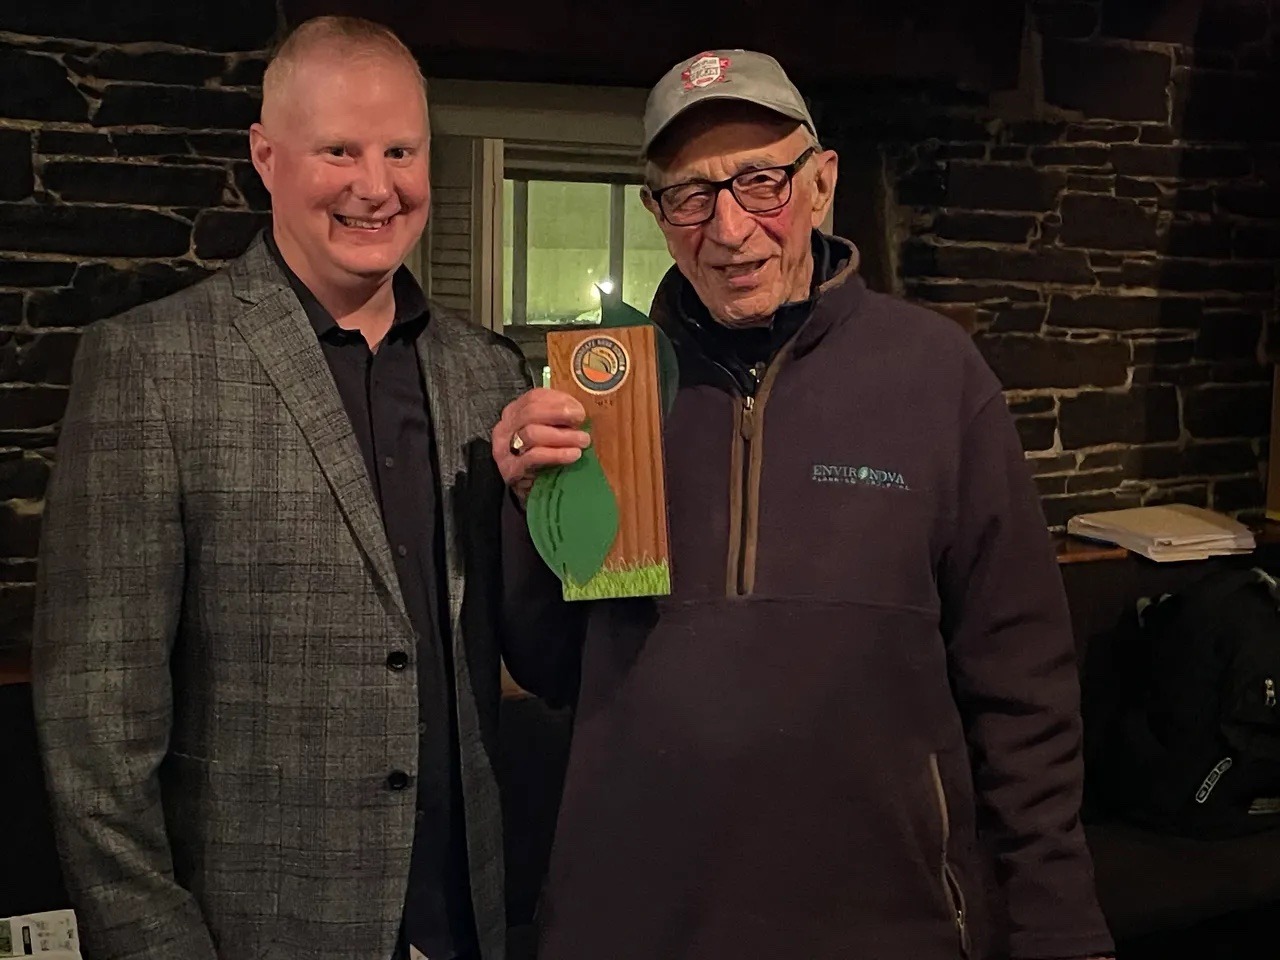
722 75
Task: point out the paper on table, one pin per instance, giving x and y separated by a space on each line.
1169 532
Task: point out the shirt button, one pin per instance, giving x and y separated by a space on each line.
420 815
422 728
397 660
397 780
402 550
388 461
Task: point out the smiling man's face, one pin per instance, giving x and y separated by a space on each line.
343 150
745 265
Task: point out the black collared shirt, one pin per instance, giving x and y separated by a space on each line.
385 398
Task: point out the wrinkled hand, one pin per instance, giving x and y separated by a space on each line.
546 423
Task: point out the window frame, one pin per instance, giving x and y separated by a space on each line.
542 131
520 246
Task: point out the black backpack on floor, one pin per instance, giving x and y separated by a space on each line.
1195 746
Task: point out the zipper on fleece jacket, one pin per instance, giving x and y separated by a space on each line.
950 885
746 462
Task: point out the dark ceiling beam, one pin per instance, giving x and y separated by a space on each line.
822 43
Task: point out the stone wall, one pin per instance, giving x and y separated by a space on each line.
1111 231
124 175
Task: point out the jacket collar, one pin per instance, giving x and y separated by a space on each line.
254 276
835 289
410 301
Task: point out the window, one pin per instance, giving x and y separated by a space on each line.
566 242
536 207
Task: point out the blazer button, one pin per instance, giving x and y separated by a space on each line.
397 660
397 780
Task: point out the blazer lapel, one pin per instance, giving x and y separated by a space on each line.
447 389
278 332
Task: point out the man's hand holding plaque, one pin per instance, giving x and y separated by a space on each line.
586 459
539 429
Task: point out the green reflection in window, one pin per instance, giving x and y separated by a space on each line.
564 242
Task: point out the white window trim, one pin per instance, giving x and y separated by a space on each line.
486 233
539 112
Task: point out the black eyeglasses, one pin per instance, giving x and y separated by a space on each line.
761 190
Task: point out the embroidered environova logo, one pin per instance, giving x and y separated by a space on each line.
863 476
600 365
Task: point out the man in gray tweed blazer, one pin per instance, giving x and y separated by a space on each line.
267 654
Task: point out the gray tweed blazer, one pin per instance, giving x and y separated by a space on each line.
216 603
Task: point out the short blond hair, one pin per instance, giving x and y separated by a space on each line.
349 37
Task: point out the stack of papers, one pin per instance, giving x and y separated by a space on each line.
1166 533
46 936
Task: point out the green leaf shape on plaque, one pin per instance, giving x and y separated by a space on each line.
536 511
619 313
573 518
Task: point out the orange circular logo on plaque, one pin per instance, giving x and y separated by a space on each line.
600 365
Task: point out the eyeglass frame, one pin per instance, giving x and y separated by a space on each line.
789 170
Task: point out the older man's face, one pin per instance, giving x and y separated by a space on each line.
745 265
344 155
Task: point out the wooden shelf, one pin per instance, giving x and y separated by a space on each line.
1072 550
15 668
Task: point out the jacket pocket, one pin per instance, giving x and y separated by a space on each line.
951 888
224 828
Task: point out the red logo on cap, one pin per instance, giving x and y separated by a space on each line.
705 70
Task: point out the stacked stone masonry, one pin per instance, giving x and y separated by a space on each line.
124 176
1111 232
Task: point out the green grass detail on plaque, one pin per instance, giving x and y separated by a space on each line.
642 580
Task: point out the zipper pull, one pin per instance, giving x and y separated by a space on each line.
1271 692
748 417
749 402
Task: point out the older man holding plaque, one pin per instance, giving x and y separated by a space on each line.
852 729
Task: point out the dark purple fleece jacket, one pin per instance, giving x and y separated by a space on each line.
852 731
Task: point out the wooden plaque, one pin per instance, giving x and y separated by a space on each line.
613 371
